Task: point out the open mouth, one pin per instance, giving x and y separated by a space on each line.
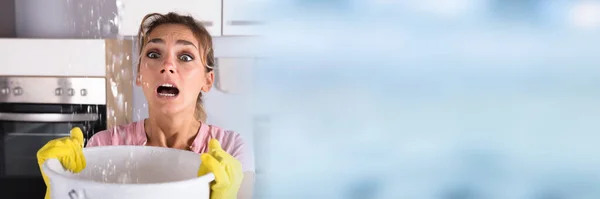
167 90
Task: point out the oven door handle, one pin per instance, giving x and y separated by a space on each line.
48 117
40 134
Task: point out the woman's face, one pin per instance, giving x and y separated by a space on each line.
171 72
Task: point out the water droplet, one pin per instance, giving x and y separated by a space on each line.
114 87
106 28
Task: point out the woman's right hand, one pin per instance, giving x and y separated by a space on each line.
68 151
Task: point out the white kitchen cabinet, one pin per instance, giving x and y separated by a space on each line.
53 57
242 17
133 11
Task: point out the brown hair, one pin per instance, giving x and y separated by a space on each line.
153 20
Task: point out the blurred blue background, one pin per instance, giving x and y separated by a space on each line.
429 99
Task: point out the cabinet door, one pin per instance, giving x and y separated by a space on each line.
133 11
243 17
53 57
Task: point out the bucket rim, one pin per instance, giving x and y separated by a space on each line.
209 177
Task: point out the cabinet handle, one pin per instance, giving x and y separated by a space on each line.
244 23
48 117
207 23
40 134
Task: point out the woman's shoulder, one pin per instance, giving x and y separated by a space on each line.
231 142
227 138
218 132
125 134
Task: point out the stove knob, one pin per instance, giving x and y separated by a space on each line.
70 92
83 92
18 91
5 91
58 92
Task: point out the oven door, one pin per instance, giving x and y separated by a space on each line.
24 132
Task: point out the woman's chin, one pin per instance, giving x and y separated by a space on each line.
171 111
169 108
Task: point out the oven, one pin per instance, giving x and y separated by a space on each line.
35 110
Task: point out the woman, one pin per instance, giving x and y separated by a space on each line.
175 68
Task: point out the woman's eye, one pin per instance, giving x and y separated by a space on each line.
153 55
186 58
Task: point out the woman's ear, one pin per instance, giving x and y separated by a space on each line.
210 78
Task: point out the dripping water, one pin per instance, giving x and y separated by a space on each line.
95 20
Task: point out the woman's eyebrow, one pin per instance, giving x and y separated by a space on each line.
185 42
156 40
180 42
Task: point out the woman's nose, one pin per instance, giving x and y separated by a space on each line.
168 65
167 70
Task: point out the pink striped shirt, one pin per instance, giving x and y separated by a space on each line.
134 134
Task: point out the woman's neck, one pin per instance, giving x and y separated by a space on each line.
171 131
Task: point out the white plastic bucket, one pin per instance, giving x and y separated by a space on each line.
130 172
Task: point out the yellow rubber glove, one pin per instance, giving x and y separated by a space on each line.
68 150
227 170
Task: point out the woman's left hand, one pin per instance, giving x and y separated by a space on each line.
227 170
